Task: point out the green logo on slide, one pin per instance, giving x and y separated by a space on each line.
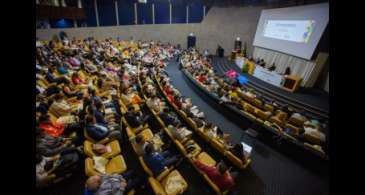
309 30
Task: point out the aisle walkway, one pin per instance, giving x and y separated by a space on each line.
271 172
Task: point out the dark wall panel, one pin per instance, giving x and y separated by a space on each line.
178 13
195 12
144 13
90 12
126 12
106 9
162 13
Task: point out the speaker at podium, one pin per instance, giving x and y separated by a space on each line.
191 40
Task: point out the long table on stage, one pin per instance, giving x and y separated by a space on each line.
271 77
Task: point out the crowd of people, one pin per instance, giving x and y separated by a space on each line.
231 92
80 88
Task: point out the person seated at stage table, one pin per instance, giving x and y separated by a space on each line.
157 161
135 118
287 71
114 184
219 174
272 67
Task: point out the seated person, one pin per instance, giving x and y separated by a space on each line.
219 174
71 91
60 107
179 132
167 117
139 143
90 67
52 79
314 131
272 67
131 97
158 161
47 145
237 150
135 118
191 110
48 168
99 113
155 103
287 71
98 131
113 184
52 129
299 115
61 69
212 132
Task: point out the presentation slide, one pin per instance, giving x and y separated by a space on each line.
289 30
293 30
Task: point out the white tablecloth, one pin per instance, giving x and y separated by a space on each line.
268 76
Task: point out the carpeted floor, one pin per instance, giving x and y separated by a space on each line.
271 172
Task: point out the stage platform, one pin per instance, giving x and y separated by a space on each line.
314 101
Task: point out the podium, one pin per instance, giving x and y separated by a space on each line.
291 83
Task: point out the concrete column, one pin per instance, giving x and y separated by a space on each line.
96 13
153 13
187 14
170 13
116 12
135 14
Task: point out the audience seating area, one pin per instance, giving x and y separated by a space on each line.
96 96
284 122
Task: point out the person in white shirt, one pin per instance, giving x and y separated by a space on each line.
178 132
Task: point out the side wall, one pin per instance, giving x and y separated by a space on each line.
220 26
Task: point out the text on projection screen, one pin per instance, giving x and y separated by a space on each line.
289 30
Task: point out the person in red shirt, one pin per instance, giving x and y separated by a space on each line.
52 129
167 89
202 78
218 174
76 80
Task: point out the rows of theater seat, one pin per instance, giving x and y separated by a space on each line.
286 122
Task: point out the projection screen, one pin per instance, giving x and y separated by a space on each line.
294 30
